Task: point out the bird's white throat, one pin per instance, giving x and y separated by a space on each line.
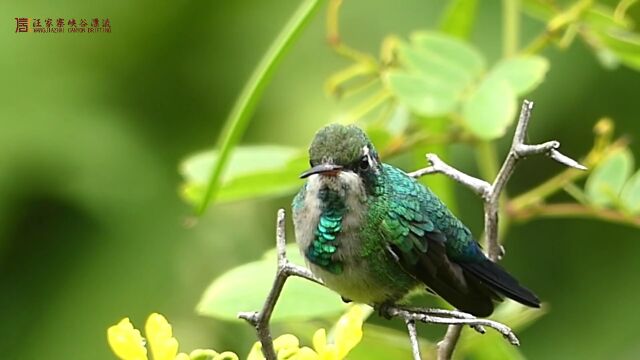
348 186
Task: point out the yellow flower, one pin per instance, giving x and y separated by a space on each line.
128 344
347 334
161 341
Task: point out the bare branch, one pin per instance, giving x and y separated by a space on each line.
447 345
450 317
480 187
260 320
413 337
490 193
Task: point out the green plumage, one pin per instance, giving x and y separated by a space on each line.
373 233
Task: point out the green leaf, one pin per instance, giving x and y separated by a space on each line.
423 96
605 183
630 195
624 45
447 49
523 73
612 39
603 18
458 18
435 69
240 115
490 109
245 288
261 170
438 69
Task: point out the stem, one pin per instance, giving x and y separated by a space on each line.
559 22
538 194
368 105
510 27
573 210
335 41
240 115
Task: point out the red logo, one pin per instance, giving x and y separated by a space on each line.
22 25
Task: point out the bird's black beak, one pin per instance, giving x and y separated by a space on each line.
327 169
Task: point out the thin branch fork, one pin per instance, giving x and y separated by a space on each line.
260 320
490 194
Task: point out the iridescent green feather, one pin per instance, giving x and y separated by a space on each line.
411 212
324 246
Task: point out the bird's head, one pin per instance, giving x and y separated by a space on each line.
343 153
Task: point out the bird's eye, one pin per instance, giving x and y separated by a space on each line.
364 163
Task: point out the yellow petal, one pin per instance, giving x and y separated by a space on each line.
161 341
286 345
348 331
305 353
256 352
182 356
126 342
330 352
227 355
320 340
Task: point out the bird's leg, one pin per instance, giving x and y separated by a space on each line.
383 309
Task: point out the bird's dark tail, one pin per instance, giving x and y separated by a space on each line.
499 280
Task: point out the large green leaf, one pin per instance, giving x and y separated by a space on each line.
490 109
245 288
523 73
437 69
630 195
262 170
455 51
604 185
423 96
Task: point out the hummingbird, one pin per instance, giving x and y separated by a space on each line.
373 234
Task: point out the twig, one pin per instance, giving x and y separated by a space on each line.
490 193
260 320
413 337
573 210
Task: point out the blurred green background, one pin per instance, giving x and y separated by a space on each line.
93 127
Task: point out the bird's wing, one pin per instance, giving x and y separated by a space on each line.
414 240
433 246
